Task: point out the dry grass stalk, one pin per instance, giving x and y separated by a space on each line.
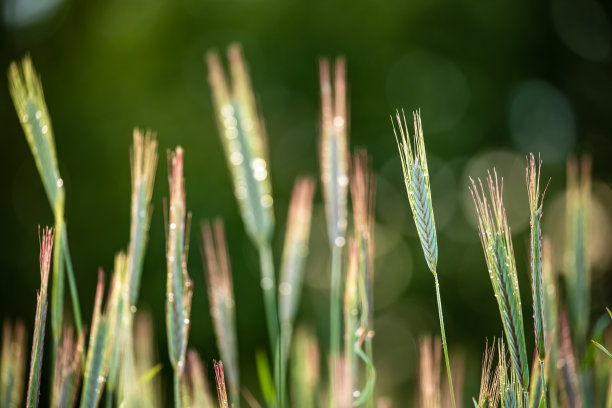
12 364
220 380
430 357
244 142
179 287
351 316
46 248
222 305
68 370
499 254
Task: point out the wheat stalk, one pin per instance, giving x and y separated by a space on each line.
222 305
46 247
429 373
333 159
244 142
12 364
416 179
499 254
179 287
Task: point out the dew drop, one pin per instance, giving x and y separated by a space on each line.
38 114
60 183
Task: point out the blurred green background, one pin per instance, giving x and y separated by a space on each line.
494 80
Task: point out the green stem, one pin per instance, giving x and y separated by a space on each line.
177 390
74 293
268 286
370 353
448 369
543 382
335 317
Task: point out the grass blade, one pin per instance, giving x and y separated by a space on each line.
305 375
416 179
197 384
220 380
96 363
46 246
143 164
179 287
222 305
333 158
12 364
429 373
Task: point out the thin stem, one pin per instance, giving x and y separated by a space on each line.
74 293
543 382
268 285
335 317
177 389
370 354
448 369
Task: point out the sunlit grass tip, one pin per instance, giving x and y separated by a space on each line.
179 287
220 381
496 241
333 148
46 248
416 178
143 160
221 298
244 142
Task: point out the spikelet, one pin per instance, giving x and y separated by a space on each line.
363 194
244 143
295 250
532 177
222 306
306 371
429 372
46 247
333 149
489 394
499 254
416 178
12 363
197 389
143 157
179 287
220 380
577 264
96 362
68 370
